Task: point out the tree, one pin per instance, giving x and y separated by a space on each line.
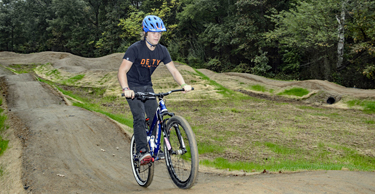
35 14
360 37
71 31
10 24
311 27
110 40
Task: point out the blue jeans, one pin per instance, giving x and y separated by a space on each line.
139 110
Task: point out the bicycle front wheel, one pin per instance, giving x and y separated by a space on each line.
142 174
181 154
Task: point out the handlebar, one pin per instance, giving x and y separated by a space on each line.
151 95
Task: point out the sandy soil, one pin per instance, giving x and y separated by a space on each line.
56 148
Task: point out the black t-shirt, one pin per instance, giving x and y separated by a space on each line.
145 62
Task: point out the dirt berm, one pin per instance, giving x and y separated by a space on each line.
56 148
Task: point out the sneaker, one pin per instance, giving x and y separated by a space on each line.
161 155
144 157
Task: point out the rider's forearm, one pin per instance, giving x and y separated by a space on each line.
178 77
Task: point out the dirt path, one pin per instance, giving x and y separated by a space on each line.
63 145
62 152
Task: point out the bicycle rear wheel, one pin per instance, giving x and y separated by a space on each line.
142 174
182 164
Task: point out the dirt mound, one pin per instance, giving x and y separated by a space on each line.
66 61
321 93
308 84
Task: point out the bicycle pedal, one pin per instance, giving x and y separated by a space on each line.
146 161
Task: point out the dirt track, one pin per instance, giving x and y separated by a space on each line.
62 153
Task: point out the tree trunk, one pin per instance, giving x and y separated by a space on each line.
341 31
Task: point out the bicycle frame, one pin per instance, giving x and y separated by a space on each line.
158 125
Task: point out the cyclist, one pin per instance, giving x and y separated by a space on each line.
139 62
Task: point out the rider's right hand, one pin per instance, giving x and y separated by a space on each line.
129 94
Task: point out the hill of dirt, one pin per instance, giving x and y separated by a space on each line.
102 72
57 148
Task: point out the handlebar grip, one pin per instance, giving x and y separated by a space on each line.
123 95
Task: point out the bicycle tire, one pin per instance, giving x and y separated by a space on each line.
183 169
143 174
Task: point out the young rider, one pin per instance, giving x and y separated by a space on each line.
139 62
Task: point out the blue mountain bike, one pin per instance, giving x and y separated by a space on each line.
179 146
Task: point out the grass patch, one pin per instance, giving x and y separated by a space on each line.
23 68
1 171
204 148
74 79
3 127
54 72
258 88
295 92
323 160
279 149
367 105
3 145
308 107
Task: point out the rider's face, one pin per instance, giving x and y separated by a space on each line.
153 37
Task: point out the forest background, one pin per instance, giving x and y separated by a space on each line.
290 40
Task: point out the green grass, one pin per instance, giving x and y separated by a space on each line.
74 79
367 105
308 107
279 149
3 145
258 88
3 127
1 171
204 148
54 72
351 159
23 68
294 92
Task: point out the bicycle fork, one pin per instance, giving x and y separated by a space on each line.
182 149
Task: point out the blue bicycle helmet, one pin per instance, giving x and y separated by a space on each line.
153 23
